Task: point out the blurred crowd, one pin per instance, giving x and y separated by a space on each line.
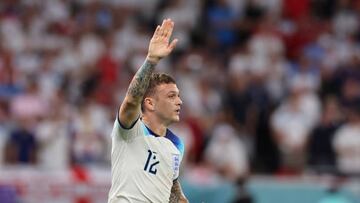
268 86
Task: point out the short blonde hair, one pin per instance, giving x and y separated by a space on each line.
156 79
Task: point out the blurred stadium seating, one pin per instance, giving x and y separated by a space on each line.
271 93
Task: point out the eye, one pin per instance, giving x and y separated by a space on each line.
172 96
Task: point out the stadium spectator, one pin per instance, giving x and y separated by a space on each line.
227 152
29 105
347 143
291 124
321 156
89 128
22 145
184 13
221 19
53 134
245 67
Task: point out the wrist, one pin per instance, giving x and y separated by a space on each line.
152 60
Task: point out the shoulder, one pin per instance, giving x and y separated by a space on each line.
179 144
343 134
121 132
342 130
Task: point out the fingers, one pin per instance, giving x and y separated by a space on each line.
161 31
157 32
165 30
168 28
173 44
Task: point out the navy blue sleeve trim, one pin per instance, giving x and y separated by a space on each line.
122 126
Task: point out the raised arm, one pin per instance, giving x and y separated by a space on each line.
159 47
177 196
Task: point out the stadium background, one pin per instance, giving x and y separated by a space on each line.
270 88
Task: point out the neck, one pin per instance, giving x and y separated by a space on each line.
154 124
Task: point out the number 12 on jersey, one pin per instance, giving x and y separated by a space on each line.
151 162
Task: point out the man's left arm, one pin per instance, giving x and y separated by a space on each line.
177 196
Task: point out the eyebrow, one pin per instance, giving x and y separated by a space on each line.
173 92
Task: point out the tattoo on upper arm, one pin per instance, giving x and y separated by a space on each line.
175 192
141 80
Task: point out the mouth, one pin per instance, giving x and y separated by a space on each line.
177 111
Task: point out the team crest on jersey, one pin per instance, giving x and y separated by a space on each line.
176 165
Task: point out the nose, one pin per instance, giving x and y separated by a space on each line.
179 102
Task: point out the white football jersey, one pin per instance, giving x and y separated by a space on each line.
143 164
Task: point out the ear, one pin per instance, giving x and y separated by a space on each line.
149 104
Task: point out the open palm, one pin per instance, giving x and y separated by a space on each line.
160 45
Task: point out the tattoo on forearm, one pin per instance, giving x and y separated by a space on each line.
141 79
175 193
